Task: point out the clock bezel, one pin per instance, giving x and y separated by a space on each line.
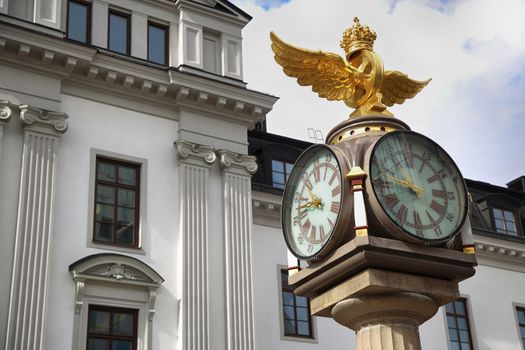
344 216
380 211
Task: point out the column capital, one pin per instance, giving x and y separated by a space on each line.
242 162
6 110
188 151
42 120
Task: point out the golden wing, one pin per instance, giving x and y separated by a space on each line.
328 74
397 87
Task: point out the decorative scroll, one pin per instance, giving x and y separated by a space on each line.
231 159
186 149
31 116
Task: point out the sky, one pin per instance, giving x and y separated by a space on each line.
474 51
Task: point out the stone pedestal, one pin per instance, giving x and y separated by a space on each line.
385 308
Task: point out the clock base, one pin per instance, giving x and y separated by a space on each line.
385 308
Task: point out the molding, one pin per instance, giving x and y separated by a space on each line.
43 120
230 160
500 253
266 209
188 151
79 295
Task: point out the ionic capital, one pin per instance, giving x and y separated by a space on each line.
6 110
43 120
229 159
192 151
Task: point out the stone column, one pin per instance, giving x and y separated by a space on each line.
27 304
385 308
194 167
6 109
236 178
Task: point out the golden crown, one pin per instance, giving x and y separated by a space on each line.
358 37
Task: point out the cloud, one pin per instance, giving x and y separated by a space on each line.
473 49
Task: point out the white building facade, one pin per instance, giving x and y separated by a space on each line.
129 215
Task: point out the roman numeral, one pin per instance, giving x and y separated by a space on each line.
325 171
322 233
409 158
334 208
402 214
317 171
330 223
438 208
307 182
313 232
436 176
380 183
306 226
332 178
336 191
299 217
391 200
443 194
417 223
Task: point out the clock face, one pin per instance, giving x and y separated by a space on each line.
418 186
312 202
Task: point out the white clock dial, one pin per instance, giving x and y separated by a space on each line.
312 202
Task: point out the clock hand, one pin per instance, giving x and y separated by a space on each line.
315 203
418 190
408 179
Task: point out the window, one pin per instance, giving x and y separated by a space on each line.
116 202
296 311
119 32
280 172
111 328
504 222
79 21
157 43
521 323
458 325
212 52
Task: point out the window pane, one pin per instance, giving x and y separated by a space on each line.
105 172
289 168
126 198
125 216
498 214
122 324
301 301
521 317
302 314
105 194
462 323
157 44
465 346
126 175
125 234
104 213
451 320
118 33
500 225
463 336
508 215
288 313
522 331
277 166
77 28
450 308
98 322
289 327
460 307
453 335
454 346
98 344
122 345
303 328
287 298
277 178
103 231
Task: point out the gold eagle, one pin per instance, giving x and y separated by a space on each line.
358 80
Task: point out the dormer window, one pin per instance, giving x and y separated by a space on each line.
504 222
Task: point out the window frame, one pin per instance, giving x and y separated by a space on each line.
519 307
312 338
467 317
88 20
112 11
166 30
117 186
110 337
514 221
285 174
142 246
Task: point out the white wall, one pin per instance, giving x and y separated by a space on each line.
95 125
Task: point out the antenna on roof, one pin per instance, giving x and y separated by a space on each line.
315 135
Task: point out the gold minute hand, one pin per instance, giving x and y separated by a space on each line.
418 190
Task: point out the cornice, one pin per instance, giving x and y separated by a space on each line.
6 110
266 208
201 9
188 151
81 65
43 120
235 161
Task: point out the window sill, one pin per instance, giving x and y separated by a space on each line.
116 248
299 339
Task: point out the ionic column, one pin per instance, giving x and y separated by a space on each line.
237 170
27 304
6 109
194 165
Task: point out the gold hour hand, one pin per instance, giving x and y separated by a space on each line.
418 190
